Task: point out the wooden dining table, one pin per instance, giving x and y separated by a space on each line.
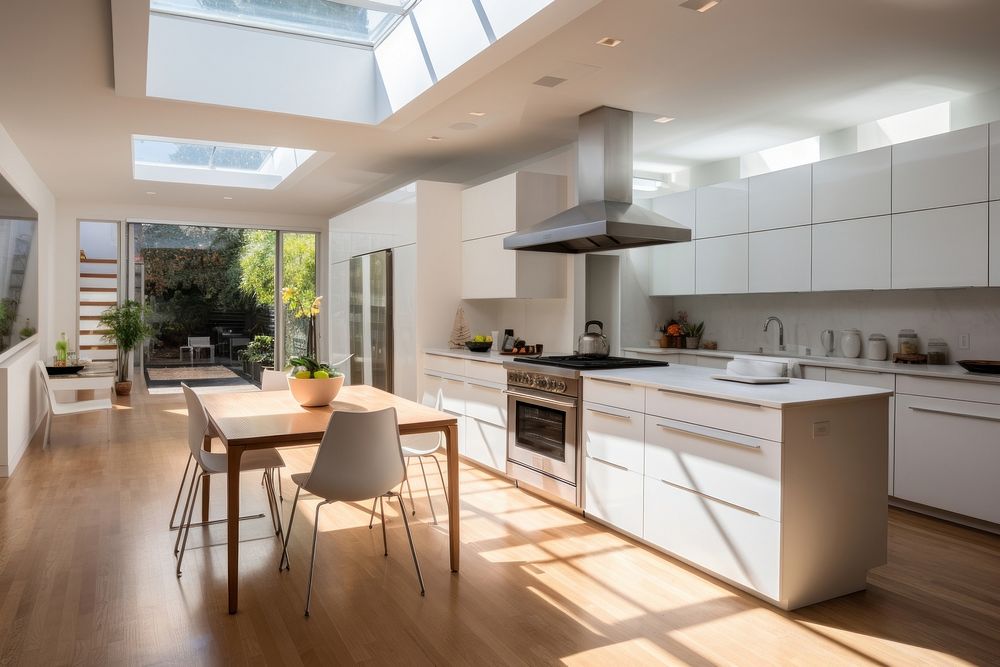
246 421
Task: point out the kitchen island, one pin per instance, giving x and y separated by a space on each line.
777 489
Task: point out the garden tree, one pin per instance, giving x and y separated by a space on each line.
256 265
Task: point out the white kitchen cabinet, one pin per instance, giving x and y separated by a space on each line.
680 207
948 455
943 170
486 443
946 247
512 202
446 394
613 494
722 208
813 373
852 255
873 379
686 359
780 260
489 271
712 362
672 269
995 160
613 435
995 242
615 393
721 265
853 186
781 199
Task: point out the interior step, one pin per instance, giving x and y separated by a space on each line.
99 289
98 303
92 260
84 274
98 347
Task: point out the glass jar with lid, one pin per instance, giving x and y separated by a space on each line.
937 351
908 342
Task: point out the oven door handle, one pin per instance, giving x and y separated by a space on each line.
539 399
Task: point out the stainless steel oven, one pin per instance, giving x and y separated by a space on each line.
542 445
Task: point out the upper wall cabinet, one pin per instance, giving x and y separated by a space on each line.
722 209
671 266
945 247
853 186
679 207
995 244
943 170
516 201
780 260
852 254
995 160
721 265
781 199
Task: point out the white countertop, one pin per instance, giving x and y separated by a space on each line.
697 380
946 371
490 357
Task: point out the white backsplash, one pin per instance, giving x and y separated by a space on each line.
736 321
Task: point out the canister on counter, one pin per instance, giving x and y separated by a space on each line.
878 348
908 342
937 351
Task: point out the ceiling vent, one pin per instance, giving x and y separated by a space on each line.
550 81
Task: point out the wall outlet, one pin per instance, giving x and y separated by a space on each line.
964 341
821 429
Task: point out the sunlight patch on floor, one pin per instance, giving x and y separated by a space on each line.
638 651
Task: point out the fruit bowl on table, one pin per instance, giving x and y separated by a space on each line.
315 392
478 346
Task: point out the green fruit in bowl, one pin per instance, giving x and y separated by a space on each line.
303 375
479 339
321 375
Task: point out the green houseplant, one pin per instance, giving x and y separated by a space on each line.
257 354
127 327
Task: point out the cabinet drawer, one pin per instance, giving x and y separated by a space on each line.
618 393
486 402
745 418
742 547
687 359
713 362
444 393
443 364
614 495
485 370
486 443
961 390
613 435
734 468
862 378
948 455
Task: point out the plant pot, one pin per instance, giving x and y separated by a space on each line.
312 393
692 342
664 340
123 388
255 368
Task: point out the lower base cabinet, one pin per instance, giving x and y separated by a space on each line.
486 443
735 543
614 494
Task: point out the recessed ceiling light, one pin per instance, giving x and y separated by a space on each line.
609 41
433 137
663 119
150 192
477 114
699 5
226 197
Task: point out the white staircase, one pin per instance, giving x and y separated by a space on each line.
98 290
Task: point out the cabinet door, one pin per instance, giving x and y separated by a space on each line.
948 455
613 436
671 269
882 381
721 265
946 247
721 209
943 170
679 207
488 271
490 209
781 199
713 362
853 186
486 444
995 242
780 260
613 494
445 394
995 160
852 255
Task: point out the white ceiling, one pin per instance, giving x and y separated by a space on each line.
747 75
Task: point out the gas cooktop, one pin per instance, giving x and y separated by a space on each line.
591 363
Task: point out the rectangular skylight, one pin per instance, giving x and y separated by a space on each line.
359 21
213 163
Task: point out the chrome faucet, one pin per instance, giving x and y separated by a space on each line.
781 331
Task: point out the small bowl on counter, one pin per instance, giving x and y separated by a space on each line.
478 347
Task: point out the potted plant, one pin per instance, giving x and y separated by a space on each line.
27 331
127 327
256 355
692 335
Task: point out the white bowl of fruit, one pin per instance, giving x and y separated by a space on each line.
313 384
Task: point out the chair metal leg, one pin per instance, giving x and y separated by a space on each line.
184 512
427 488
409 536
385 544
187 527
284 563
48 431
312 562
409 490
371 521
180 489
441 475
281 495
272 504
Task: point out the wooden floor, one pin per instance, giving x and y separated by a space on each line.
87 577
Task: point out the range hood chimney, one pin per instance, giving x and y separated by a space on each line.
606 218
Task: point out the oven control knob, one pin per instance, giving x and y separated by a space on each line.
559 386
542 383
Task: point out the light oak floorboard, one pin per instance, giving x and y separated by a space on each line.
87 577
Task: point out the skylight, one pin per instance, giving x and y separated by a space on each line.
213 163
358 21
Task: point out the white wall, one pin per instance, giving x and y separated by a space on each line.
20 391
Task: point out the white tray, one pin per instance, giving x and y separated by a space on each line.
750 379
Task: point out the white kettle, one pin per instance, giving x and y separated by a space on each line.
850 343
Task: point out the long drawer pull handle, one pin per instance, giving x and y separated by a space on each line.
483 386
618 382
710 436
609 414
528 398
613 465
955 414
712 398
718 500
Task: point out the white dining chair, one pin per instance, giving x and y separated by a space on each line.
198 343
273 380
359 458
214 463
420 447
57 407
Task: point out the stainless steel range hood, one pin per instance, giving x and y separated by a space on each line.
606 218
